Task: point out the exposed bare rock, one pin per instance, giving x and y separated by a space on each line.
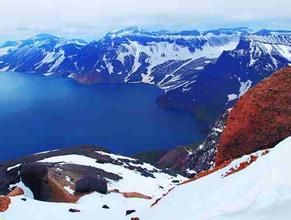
135 195
4 203
62 183
105 207
259 120
91 184
74 210
128 212
191 161
16 191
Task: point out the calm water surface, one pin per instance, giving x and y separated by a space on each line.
41 113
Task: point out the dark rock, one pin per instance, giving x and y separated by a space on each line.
74 210
144 172
46 184
34 176
105 207
91 184
100 161
86 171
128 212
7 178
175 181
23 199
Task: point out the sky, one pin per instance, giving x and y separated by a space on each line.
91 19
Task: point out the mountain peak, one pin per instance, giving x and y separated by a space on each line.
266 32
45 36
228 31
127 30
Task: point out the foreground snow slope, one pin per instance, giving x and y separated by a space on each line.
261 191
135 177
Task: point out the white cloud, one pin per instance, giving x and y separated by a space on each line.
95 17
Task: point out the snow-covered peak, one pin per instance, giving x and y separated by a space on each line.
228 31
265 32
44 36
131 30
166 35
276 38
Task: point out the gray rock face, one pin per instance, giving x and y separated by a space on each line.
34 176
204 156
189 161
91 184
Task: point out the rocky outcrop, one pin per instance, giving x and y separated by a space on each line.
16 191
63 183
260 119
4 203
135 195
91 184
203 157
189 160
7 177
68 174
175 159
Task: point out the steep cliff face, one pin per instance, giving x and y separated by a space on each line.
220 85
189 160
260 119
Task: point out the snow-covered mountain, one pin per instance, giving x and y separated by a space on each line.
204 72
219 85
167 59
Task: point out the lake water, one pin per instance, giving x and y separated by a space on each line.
41 113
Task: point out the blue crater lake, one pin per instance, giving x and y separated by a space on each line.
40 113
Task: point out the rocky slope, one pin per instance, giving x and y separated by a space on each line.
259 120
192 160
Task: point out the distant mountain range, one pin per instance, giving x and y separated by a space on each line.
204 72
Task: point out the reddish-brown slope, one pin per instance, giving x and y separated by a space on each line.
259 120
